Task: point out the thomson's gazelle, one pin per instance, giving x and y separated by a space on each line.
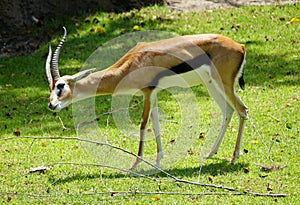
215 60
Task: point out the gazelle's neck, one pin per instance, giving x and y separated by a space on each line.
98 83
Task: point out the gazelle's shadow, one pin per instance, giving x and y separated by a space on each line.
215 168
212 169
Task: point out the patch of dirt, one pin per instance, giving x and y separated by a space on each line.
20 43
202 5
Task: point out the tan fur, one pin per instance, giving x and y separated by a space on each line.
226 55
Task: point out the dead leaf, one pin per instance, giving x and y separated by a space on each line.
44 144
155 198
39 169
17 132
246 170
172 141
100 30
292 72
87 20
295 20
95 20
8 199
263 176
292 21
153 18
136 28
269 188
201 136
36 21
288 105
190 152
266 38
236 27
269 168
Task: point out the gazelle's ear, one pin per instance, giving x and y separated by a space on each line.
82 74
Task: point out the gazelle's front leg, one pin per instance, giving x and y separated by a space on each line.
155 127
145 117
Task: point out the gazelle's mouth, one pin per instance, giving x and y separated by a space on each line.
56 107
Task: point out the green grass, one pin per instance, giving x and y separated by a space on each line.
271 134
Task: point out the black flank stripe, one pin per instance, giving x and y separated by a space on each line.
184 67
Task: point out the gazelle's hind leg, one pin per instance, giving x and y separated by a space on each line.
224 94
227 115
242 112
155 127
226 109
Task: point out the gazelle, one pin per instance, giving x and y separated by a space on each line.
215 60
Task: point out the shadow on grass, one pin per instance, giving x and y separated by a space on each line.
213 169
85 177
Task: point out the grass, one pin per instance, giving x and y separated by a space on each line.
271 134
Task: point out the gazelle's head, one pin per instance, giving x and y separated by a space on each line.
61 88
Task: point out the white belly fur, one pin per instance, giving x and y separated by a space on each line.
188 79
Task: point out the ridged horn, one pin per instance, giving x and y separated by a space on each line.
55 71
48 68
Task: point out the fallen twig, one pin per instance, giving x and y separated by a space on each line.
269 168
39 169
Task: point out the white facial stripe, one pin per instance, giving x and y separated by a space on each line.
60 87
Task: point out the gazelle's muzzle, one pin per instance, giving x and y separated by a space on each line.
54 107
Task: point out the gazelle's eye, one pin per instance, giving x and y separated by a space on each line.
60 86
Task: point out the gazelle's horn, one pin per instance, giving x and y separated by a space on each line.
48 69
55 71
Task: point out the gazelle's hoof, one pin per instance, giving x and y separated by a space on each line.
210 155
160 155
232 161
135 165
234 157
